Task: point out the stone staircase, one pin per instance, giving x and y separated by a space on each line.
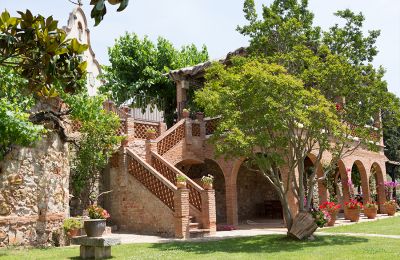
151 164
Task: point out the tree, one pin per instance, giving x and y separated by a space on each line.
276 119
139 67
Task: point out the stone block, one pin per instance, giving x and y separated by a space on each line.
96 241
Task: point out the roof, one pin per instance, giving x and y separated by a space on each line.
197 71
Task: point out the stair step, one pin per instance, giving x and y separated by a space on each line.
194 225
197 232
192 219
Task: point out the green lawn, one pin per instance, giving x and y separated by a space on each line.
259 247
388 226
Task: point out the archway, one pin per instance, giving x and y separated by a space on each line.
360 182
257 200
376 185
197 170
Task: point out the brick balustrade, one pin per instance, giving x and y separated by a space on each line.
171 137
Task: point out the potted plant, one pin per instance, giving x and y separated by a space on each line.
332 208
207 182
180 181
151 134
200 116
353 210
370 210
321 217
390 207
72 226
95 226
185 113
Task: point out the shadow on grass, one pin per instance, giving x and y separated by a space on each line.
259 244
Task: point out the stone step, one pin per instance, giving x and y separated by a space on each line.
197 232
194 225
192 219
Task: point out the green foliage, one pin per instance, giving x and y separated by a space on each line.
72 223
99 9
139 66
15 127
98 141
40 53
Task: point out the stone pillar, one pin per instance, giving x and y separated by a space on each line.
181 214
181 96
208 210
188 131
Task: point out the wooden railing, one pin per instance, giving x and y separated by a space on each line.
156 183
171 137
169 172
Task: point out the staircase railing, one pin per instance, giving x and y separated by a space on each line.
156 183
169 172
171 137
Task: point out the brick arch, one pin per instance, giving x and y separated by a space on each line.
364 180
322 190
342 172
380 188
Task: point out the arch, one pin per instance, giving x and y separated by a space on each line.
343 189
377 173
196 169
256 197
364 182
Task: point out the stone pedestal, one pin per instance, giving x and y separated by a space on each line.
95 247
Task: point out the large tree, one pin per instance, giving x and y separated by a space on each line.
140 67
277 120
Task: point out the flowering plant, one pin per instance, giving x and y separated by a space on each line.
390 203
321 217
329 206
97 212
389 187
353 204
370 205
180 178
207 179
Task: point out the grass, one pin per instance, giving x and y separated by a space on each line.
258 247
388 226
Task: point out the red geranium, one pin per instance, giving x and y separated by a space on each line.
329 206
353 204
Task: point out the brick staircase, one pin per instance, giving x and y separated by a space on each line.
151 163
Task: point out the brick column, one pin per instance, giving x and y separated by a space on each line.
162 127
188 131
130 130
231 201
150 146
208 211
181 214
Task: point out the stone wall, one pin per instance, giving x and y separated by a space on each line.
253 189
34 193
133 208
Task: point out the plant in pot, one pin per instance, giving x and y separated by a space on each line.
321 217
151 134
95 226
353 210
333 209
185 113
72 226
370 210
390 207
181 181
207 182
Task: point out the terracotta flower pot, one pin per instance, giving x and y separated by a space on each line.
390 209
185 114
353 214
346 214
181 185
151 135
370 212
94 227
73 232
207 186
200 116
333 218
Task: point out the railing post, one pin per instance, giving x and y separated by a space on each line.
181 214
151 145
130 130
208 211
188 129
162 127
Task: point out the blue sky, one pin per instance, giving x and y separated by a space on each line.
213 23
